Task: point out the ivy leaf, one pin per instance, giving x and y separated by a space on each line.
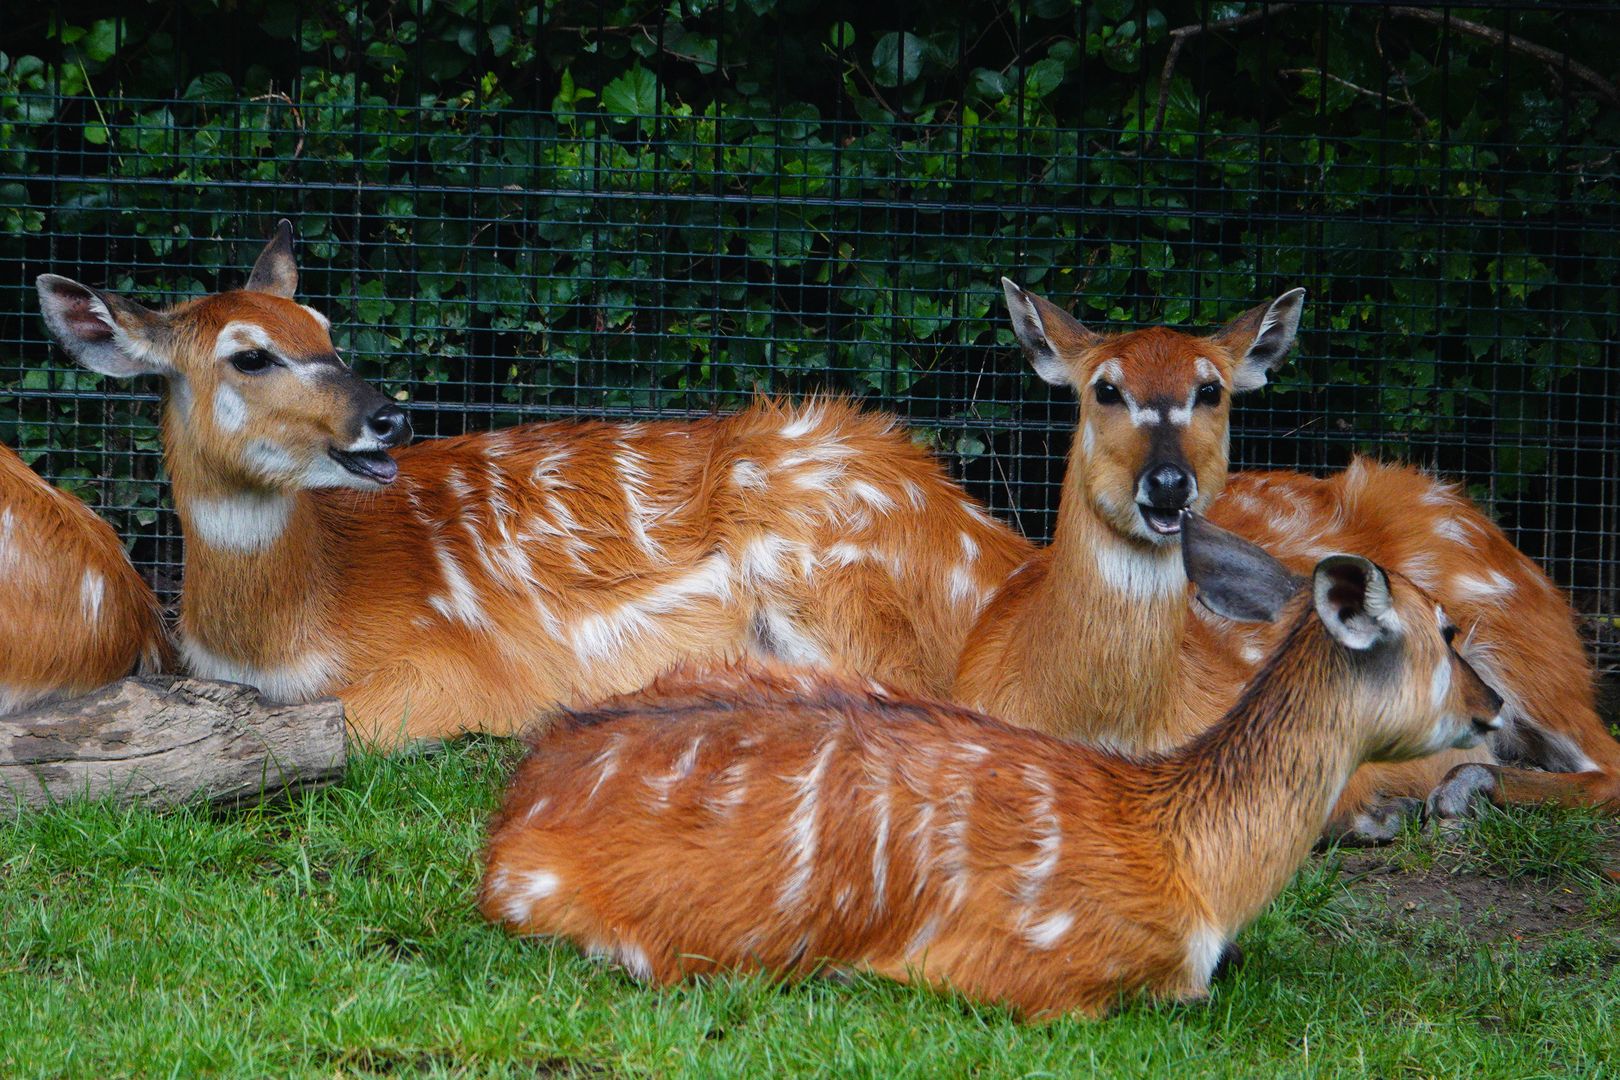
896 57
988 85
102 41
635 93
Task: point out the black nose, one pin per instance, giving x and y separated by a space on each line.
1168 487
390 425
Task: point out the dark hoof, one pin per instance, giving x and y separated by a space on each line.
1379 822
1458 796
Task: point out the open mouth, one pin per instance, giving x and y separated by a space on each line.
1162 520
373 465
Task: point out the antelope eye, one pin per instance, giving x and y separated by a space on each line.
1209 394
1450 634
252 361
1107 393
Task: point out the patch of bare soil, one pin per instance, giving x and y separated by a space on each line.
1523 910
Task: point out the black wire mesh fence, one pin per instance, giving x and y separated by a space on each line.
645 228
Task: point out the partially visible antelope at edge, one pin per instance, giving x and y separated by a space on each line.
1092 638
475 583
74 614
787 821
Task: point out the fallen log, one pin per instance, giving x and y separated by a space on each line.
164 740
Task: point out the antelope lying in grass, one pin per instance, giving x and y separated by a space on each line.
1091 639
475 583
765 820
74 614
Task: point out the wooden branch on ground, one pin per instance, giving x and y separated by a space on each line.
164 740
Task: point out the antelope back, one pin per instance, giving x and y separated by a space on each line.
259 397
1154 404
74 614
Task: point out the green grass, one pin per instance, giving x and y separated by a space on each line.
336 936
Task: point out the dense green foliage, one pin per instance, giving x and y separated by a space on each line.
336 937
522 210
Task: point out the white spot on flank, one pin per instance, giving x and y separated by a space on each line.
970 547
230 411
603 633
10 549
1049 931
240 523
92 587
1422 569
1455 529
679 770
801 830
459 601
539 884
1492 588
633 960
1205 947
871 495
784 639
747 475
761 562
801 424
608 762
914 493
880 840
1047 832
1439 494
963 588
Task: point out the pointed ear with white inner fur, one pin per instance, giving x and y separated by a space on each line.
103 331
1353 601
1050 336
1260 339
275 272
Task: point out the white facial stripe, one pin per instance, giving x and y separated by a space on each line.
230 411
1108 371
1440 683
238 336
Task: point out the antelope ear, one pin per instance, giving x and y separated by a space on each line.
1235 579
1047 333
1353 601
1260 339
104 331
274 271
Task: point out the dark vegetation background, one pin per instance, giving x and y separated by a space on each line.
515 211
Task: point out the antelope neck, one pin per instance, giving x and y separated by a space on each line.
261 569
1244 801
1103 637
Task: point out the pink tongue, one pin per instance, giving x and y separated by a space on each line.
383 469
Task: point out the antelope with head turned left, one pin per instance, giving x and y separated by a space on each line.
475 583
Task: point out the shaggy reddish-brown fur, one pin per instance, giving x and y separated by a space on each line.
503 574
783 820
74 614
